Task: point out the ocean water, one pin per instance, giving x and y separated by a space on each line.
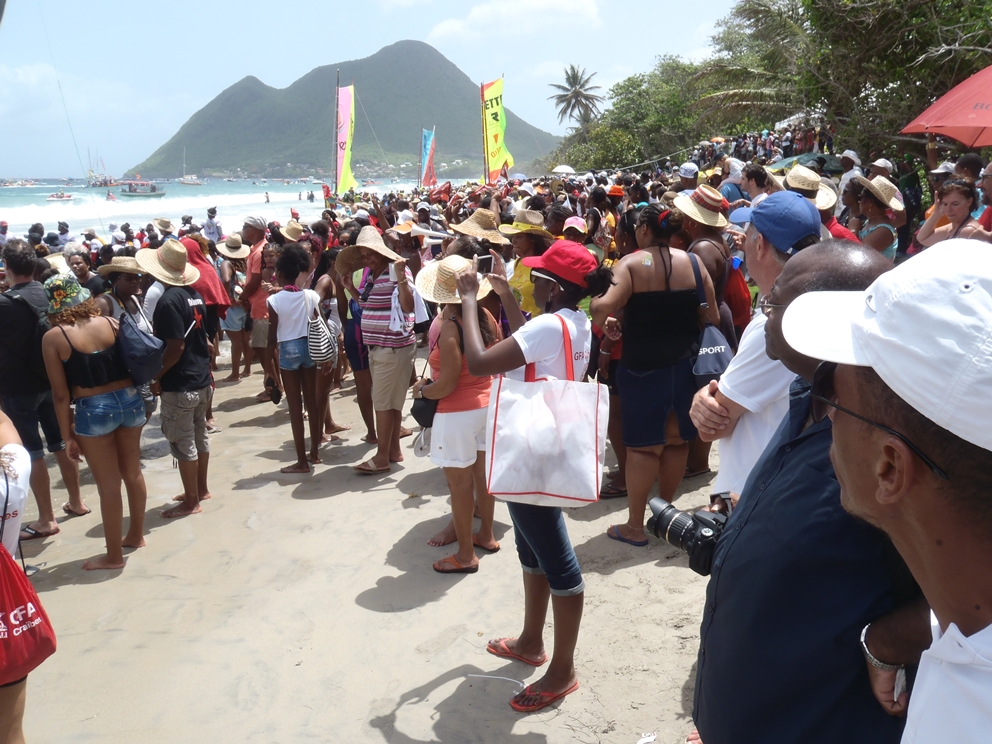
22 206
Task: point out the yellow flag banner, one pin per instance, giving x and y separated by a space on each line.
345 135
494 129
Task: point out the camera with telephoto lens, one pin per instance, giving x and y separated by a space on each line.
695 534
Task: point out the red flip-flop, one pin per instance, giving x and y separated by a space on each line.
450 565
546 698
502 650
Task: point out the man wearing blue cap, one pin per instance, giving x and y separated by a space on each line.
745 408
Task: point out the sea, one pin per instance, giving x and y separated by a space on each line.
22 206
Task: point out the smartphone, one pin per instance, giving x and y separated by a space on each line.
485 265
392 273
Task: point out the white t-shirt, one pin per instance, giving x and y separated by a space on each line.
761 385
543 344
152 296
18 494
952 696
293 309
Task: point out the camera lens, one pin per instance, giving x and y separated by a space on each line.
674 526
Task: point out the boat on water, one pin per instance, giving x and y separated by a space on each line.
59 195
190 181
142 190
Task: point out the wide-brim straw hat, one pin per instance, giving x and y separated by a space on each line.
168 263
529 221
57 261
350 257
884 190
232 247
482 224
438 280
292 232
703 205
119 265
805 181
163 225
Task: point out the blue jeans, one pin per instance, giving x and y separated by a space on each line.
544 548
104 413
29 410
295 354
234 321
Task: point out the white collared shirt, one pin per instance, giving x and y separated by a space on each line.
952 697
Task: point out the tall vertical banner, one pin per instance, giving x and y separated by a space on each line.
346 133
427 175
494 129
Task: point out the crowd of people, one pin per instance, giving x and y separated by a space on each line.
821 583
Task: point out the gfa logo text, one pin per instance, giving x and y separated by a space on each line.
21 618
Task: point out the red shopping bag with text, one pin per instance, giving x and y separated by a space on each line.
26 634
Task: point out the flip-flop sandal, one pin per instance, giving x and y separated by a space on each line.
503 651
73 513
33 534
450 565
546 698
276 395
612 492
614 534
694 473
485 548
370 470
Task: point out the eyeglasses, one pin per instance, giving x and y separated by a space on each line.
765 305
822 392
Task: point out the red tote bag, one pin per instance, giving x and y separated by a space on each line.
26 634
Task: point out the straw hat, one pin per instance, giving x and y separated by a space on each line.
527 220
884 189
805 181
168 264
119 265
437 280
163 225
57 262
350 258
233 247
703 205
292 232
482 224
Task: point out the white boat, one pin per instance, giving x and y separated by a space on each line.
190 180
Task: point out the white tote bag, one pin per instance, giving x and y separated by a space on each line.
546 439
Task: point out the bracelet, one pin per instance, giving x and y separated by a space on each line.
605 353
870 658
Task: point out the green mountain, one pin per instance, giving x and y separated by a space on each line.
402 88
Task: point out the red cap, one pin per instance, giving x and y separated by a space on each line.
3 223
295 214
566 259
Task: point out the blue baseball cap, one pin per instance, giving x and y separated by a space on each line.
783 218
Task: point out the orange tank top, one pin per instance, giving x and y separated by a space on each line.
472 392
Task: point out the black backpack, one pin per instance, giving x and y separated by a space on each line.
36 361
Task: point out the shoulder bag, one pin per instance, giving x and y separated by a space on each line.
140 352
322 346
714 353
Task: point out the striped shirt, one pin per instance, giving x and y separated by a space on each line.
377 309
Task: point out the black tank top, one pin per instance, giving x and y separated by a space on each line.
95 369
659 328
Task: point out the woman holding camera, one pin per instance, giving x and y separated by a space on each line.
563 276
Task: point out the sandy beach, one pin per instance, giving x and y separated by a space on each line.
304 609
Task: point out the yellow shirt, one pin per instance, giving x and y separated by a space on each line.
523 288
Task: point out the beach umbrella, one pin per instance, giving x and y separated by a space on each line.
718 140
564 170
519 176
964 113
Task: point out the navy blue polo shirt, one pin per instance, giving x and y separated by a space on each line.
795 578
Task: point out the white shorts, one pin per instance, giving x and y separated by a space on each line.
458 438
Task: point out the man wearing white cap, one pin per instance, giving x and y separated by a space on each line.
851 163
907 382
689 176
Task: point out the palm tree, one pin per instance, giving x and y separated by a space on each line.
576 99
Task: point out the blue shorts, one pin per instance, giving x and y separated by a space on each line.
295 354
648 397
543 547
355 349
29 410
234 321
102 414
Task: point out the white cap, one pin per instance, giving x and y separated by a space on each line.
946 167
883 163
526 187
688 170
925 328
852 155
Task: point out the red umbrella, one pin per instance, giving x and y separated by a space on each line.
964 113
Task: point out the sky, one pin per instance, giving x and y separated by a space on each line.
119 77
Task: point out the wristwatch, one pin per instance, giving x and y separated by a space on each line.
871 658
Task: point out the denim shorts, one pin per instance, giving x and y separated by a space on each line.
27 411
234 320
102 414
295 354
354 347
543 547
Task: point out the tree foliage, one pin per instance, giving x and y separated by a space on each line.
576 99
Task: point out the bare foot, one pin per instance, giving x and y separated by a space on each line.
296 467
181 510
246 373
371 439
336 428
95 564
396 458
404 432
131 542
693 737
314 458
444 537
335 387
329 438
206 496
182 497
233 377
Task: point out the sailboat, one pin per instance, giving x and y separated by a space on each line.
191 180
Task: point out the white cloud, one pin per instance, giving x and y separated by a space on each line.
519 17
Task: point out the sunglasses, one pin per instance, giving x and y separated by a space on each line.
823 394
367 290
